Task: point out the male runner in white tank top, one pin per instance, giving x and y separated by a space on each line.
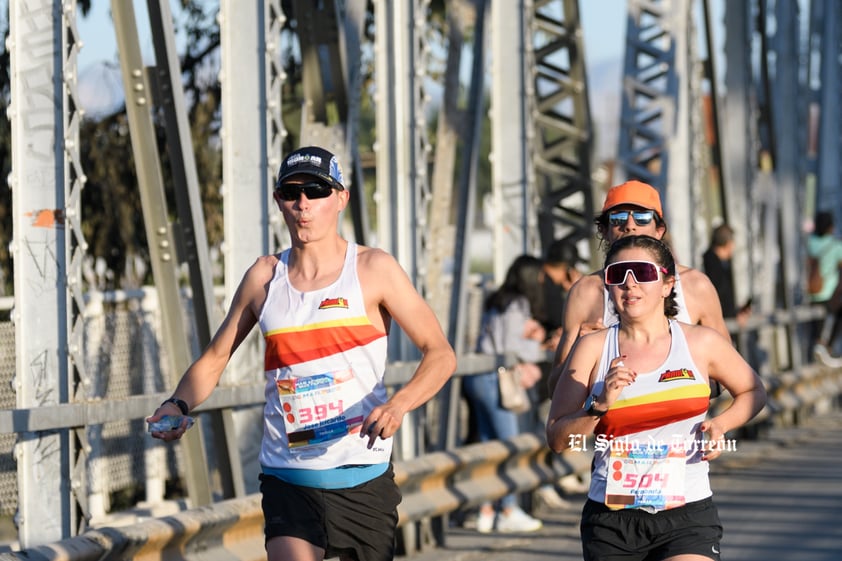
325 307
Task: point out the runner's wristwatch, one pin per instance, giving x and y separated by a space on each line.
180 403
589 407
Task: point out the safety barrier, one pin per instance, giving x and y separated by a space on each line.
432 485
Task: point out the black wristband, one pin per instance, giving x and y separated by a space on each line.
180 403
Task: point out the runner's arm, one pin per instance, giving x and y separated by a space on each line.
389 285
200 379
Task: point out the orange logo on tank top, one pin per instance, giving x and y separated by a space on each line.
671 375
334 303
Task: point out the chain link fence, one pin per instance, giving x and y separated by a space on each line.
123 359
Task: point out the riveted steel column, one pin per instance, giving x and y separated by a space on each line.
829 184
514 205
276 132
740 165
402 149
158 230
738 140
402 153
47 248
330 35
190 227
448 128
467 183
247 183
788 155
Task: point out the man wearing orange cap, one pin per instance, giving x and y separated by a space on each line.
632 208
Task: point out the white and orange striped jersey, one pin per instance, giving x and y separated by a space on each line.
324 365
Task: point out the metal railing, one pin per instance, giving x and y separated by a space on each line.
129 385
432 485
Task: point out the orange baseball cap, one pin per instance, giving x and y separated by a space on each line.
636 193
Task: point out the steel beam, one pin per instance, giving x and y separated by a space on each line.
738 141
403 150
47 245
789 153
159 230
402 154
247 184
512 177
829 176
330 37
467 183
449 127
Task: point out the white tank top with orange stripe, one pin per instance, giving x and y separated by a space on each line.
324 364
665 406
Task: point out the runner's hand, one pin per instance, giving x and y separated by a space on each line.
169 435
714 438
618 377
383 421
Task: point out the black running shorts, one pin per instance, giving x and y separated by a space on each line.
358 522
633 534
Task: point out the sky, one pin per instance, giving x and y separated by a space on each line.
97 33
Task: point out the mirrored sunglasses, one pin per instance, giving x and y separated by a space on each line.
292 191
642 271
620 217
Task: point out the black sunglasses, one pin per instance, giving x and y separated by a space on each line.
315 190
620 217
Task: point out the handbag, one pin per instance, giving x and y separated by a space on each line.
513 395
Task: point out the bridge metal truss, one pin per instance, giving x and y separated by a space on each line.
788 113
560 125
659 124
403 147
758 141
253 134
763 155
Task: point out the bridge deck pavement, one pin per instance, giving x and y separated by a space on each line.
779 497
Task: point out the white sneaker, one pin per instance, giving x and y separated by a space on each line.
485 523
517 521
549 497
823 355
572 485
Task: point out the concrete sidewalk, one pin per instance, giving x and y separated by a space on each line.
779 497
